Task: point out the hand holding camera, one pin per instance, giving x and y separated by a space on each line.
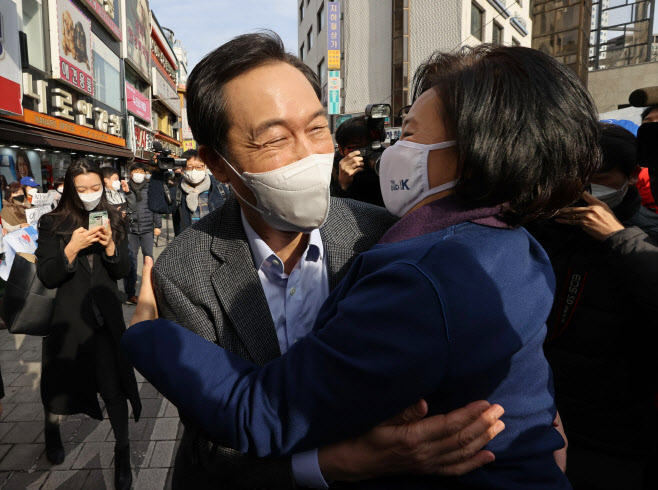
349 166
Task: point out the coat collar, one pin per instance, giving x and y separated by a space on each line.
441 214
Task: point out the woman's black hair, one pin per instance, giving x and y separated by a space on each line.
70 214
526 128
619 149
79 35
355 129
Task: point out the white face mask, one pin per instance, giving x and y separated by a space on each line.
403 175
292 198
90 199
60 190
32 192
609 195
148 176
194 176
116 185
138 178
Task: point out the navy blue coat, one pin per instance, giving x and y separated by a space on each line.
452 316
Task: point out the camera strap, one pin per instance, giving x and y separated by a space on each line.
569 299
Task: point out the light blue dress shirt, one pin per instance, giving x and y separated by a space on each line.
294 301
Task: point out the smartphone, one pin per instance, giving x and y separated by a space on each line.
98 218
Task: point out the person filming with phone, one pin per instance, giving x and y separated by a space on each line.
81 353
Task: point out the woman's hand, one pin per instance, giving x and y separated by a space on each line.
147 307
81 239
105 239
596 220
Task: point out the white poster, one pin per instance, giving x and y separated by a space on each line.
23 240
75 60
33 214
43 199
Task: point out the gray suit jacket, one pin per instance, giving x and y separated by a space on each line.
207 282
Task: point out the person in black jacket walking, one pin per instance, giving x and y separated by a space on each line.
144 224
601 337
192 197
81 355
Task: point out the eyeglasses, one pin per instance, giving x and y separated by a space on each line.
197 167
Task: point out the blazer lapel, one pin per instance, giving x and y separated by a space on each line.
239 289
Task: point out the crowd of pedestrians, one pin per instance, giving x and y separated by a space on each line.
478 310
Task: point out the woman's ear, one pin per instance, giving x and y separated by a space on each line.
214 162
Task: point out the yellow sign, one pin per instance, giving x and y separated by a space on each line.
189 145
333 59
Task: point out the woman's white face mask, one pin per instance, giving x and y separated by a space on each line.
403 175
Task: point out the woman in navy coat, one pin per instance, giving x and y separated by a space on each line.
450 306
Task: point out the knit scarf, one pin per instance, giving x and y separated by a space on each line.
192 193
137 188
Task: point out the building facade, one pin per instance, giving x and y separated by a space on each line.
79 82
383 42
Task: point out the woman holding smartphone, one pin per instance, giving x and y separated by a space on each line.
81 355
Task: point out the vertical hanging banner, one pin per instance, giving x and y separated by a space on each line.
333 86
333 33
74 41
138 36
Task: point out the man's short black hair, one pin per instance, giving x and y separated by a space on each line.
354 129
648 111
207 107
526 128
136 166
108 172
189 154
619 149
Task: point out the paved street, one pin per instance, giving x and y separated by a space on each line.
89 443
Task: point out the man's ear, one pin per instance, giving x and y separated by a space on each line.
214 162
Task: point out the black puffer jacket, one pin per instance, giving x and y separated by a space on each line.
142 220
601 344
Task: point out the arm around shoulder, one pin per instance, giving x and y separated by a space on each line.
274 409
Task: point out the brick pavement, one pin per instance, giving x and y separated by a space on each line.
89 443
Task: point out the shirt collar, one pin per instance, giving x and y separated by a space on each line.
263 254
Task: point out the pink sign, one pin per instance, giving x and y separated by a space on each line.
106 17
76 77
137 103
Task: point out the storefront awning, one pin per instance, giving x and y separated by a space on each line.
16 132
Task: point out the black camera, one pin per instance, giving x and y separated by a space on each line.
376 115
163 161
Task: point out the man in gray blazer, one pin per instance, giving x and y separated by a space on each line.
252 275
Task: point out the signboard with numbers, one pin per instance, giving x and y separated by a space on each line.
74 63
333 33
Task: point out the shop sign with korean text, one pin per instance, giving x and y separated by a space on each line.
137 39
107 12
333 35
10 60
71 46
52 105
164 91
137 104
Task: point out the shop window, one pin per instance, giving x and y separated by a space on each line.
321 18
309 39
477 21
322 72
497 36
33 28
107 76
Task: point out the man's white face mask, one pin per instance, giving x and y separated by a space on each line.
292 198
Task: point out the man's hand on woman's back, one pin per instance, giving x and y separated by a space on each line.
448 445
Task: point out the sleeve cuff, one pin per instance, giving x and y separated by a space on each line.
114 259
306 470
67 265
